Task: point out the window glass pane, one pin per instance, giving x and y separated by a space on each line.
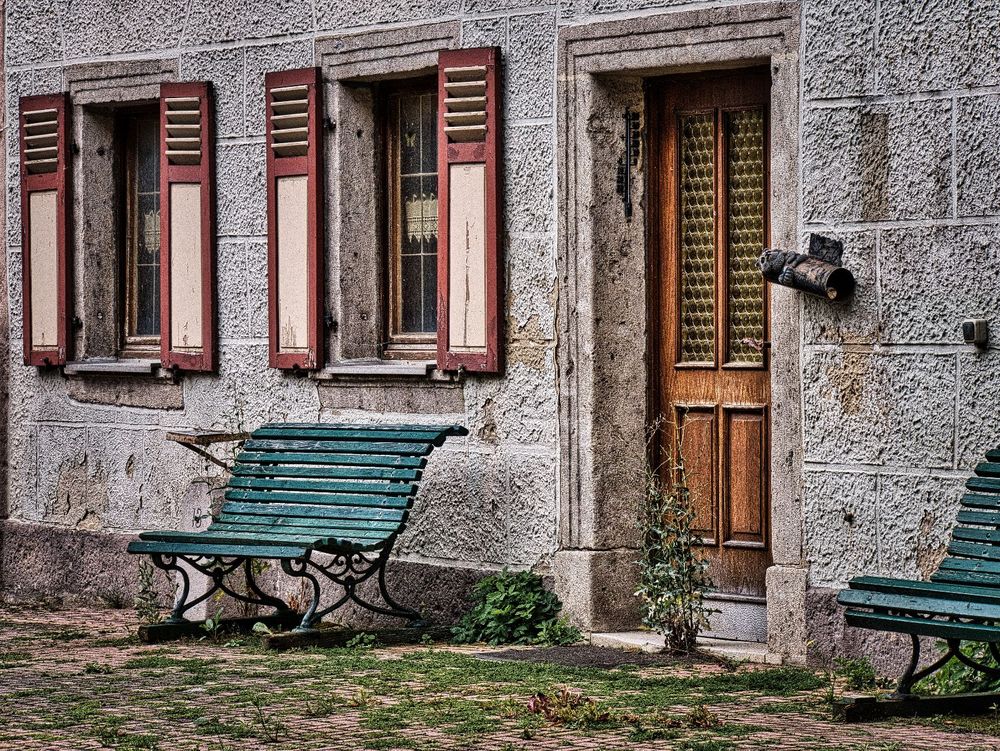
143 283
415 249
745 217
697 237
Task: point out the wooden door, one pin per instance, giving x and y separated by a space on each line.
708 140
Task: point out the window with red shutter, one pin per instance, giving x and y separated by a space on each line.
470 263
294 218
45 180
187 227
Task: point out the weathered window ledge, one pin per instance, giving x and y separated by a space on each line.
115 367
391 369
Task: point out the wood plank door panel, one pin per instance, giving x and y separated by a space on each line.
708 136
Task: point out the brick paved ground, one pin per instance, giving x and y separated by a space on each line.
77 679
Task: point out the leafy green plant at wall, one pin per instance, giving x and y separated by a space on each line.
673 576
958 678
514 608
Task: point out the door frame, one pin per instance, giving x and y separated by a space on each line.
602 357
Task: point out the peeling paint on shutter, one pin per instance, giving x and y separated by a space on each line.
470 264
187 227
45 218
294 218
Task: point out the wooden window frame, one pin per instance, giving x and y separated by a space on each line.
133 345
397 345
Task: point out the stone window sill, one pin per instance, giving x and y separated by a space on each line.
116 367
385 369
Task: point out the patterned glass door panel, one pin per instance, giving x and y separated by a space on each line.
708 139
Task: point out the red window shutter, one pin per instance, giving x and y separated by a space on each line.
470 263
43 129
294 218
187 227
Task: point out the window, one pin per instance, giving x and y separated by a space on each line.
140 132
412 220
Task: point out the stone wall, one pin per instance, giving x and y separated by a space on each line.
896 148
900 112
87 452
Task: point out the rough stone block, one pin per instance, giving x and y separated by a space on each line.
335 16
597 588
839 49
242 189
256 293
39 31
531 284
233 283
245 394
877 162
263 60
142 392
841 531
495 6
13 208
485 32
229 20
879 408
977 157
786 623
520 408
930 47
14 290
226 70
530 66
915 517
978 406
853 322
95 30
528 178
67 493
927 284
390 397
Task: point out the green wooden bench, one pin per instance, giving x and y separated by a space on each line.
298 490
961 602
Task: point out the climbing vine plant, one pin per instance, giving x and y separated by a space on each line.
673 574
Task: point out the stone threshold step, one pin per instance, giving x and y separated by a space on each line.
648 641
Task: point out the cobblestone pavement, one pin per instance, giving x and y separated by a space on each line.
78 679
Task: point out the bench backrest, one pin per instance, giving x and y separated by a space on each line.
974 552
331 475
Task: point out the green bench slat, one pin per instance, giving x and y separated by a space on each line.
929 605
921 626
324 486
975 550
922 588
227 551
279 533
269 458
988 469
993 455
339 447
449 430
325 542
984 518
327 472
332 499
291 522
983 484
975 500
955 576
314 512
968 534
351 434
971 564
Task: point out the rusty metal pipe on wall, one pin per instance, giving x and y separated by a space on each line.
818 273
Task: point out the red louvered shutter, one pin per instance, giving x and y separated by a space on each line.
43 128
470 263
294 218
187 227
